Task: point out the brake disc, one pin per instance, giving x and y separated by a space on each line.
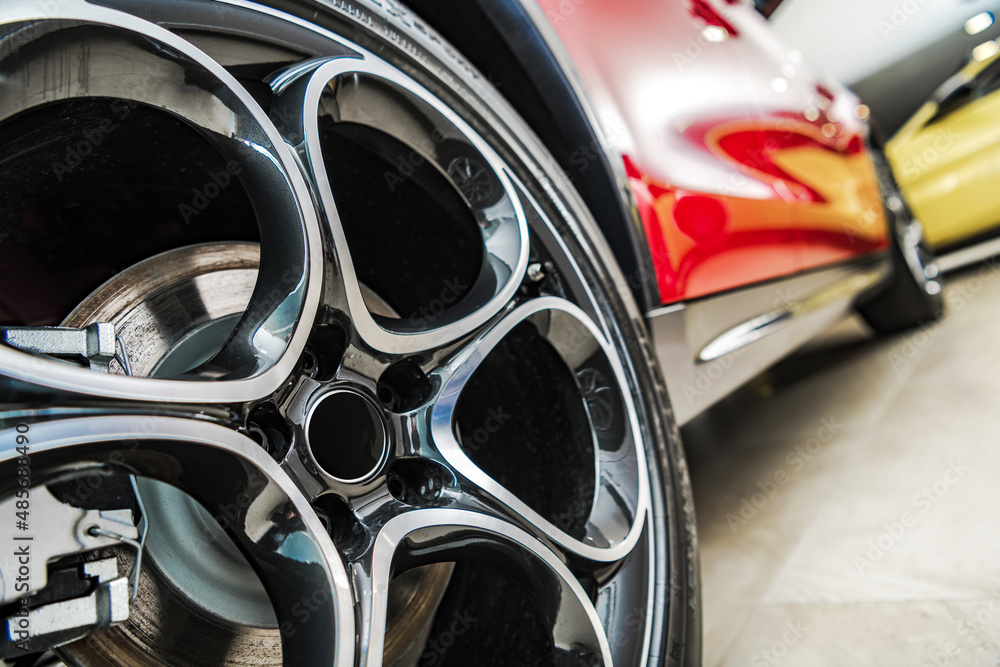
172 312
490 401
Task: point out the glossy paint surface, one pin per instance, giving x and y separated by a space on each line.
746 166
947 157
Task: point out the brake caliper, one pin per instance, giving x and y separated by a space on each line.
50 598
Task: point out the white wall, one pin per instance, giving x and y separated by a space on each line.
852 39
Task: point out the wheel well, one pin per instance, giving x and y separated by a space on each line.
502 41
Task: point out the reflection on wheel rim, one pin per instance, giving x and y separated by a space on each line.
425 502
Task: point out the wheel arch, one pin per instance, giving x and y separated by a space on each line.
513 46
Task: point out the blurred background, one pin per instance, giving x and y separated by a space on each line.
803 476
893 53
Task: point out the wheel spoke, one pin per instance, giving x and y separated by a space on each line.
271 522
130 64
372 302
397 114
614 518
371 594
428 536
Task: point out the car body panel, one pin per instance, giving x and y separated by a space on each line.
947 157
751 328
745 166
516 48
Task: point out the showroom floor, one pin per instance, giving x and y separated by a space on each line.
849 500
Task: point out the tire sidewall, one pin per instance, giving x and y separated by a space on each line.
394 33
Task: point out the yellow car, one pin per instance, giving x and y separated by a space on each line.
947 159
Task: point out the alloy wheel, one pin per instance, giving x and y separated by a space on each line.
372 370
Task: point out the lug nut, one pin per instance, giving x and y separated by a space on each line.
404 386
536 272
417 482
268 428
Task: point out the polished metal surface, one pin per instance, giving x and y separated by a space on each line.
576 628
376 95
275 528
919 259
119 56
909 231
70 534
764 325
622 491
94 344
957 259
60 622
230 353
714 345
163 308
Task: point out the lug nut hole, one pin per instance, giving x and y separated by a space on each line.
268 428
404 386
418 481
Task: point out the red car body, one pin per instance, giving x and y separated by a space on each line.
745 165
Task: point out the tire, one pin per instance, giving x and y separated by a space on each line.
381 390
913 295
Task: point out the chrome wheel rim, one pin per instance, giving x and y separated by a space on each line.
424 499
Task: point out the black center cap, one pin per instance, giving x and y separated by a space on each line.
347 435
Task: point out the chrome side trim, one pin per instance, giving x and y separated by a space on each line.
753 330
958 259
710 347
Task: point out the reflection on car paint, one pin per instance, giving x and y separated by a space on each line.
745 165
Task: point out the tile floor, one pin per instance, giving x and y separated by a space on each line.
848 500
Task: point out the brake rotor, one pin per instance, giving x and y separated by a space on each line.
199 602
